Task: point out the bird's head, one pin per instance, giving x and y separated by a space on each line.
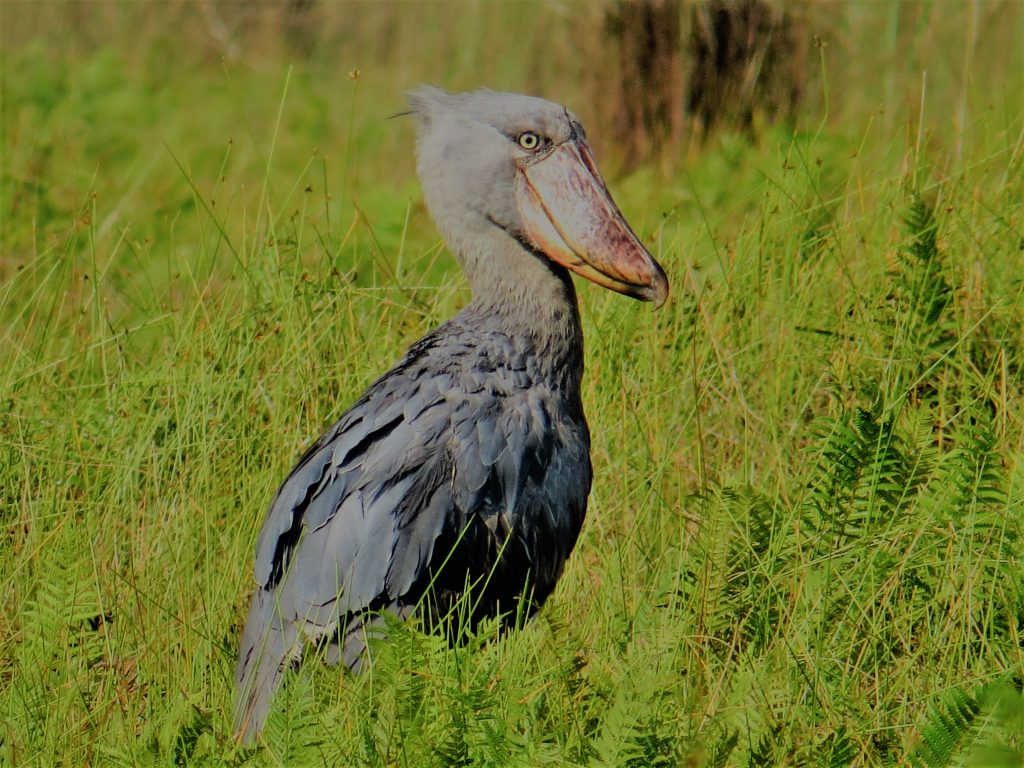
522 165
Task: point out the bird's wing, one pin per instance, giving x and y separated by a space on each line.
355 524
372 487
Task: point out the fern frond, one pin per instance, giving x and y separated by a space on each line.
836 751
868 472
969 486
291 733
641 733
922 276
763 753
740 549
59 646
723 749
950 726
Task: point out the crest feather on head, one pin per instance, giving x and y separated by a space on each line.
424 100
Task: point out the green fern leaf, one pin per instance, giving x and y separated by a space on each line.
291 733
723 749
950 727
836 751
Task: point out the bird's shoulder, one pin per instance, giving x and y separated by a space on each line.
464 415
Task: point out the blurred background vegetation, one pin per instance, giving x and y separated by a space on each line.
650 79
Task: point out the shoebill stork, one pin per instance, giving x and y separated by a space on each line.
466 467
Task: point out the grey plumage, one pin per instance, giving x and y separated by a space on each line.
472 453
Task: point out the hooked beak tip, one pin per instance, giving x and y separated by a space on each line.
659 289
653 289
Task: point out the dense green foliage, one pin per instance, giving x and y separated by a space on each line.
804 543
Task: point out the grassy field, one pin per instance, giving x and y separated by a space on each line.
804 540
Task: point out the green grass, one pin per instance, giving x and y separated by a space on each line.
804 539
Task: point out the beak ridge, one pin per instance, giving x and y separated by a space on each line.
569 216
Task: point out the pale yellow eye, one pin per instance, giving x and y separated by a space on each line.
528 140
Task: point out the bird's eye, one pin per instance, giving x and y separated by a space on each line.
528 140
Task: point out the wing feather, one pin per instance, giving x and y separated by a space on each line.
424 455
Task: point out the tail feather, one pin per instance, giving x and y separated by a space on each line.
268 646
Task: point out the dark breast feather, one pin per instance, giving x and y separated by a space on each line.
437 452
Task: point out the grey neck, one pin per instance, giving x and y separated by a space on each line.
522 293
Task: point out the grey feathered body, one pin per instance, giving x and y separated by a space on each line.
466 464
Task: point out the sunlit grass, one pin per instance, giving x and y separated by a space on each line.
804 533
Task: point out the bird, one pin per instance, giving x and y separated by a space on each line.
461 474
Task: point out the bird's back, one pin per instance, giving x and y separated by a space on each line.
465 465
